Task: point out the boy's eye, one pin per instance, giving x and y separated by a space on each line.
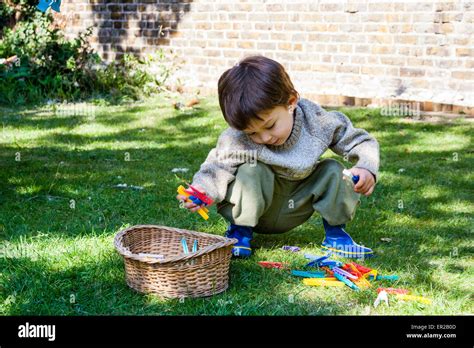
271 126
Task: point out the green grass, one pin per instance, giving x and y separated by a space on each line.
59 259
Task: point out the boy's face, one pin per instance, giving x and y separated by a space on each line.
276 126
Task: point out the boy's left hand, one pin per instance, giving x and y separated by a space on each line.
366 183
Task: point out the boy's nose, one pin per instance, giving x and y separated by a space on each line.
266 138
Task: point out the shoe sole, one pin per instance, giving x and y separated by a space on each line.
349 254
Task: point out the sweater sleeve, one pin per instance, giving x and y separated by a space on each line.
355 143
218 170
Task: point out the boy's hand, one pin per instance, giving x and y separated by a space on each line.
190 205
366 183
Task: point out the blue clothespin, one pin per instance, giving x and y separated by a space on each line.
355 178
307 274
319 261
196 200
43 5
392 277
346 281
195 245
185 245
330 263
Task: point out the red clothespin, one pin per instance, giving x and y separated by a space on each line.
347 267
393 291
355 271
269 264
360 268
196 193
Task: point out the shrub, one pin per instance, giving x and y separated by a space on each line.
53 67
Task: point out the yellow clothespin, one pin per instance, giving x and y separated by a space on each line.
421 299
372 272
323 282
362 283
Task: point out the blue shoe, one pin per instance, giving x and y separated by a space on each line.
340 243
242 248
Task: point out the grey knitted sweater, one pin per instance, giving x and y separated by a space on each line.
315 130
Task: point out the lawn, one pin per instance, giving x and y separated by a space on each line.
59 212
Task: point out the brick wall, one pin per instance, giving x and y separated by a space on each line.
350 52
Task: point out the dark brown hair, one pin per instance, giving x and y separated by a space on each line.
253 85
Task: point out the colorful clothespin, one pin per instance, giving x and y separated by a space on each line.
340 271
360 268
328 270
155 256
308 274
195 245
316 258
362 283
346 281
291 248
382 296
393 290
269 264
197 197
329 263
392 277
185 245
43 5
421 299
322 282
354 178
353 270
372 273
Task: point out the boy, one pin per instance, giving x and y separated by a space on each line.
287 182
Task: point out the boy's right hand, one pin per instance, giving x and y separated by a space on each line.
192 207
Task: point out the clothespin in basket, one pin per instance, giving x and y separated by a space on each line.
185 245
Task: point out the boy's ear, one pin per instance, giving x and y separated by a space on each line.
292 100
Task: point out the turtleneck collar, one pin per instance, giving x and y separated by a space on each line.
295 132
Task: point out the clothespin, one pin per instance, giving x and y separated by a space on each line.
382 296
346 281
197 198
290 248
386 277
307 274
360 268
362 283
354 178
343 273
43 5
154 256
373 273
269 264
328 270
322 282
393 291
195 245
185 245
421 299
352 269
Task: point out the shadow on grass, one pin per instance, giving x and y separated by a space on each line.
34 198
40 287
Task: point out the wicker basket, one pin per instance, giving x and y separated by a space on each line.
204 272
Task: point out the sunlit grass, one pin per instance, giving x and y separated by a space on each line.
61 260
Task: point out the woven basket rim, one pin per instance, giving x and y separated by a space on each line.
118 243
